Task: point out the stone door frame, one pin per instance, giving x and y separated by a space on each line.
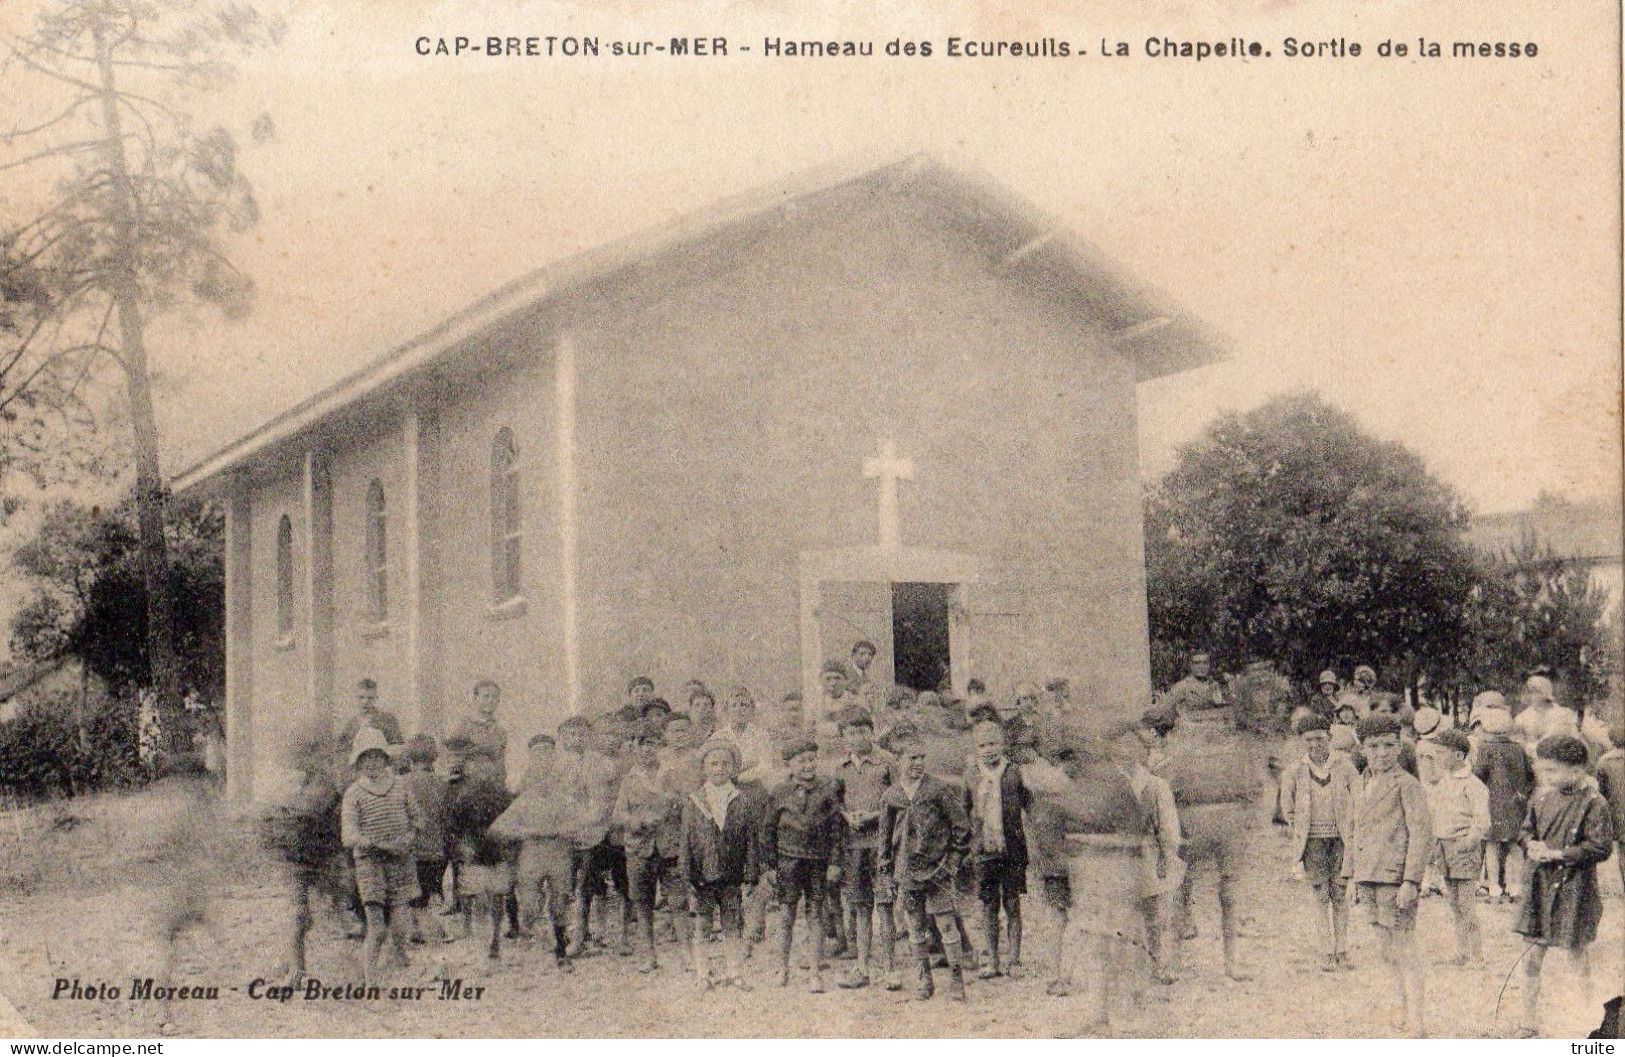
886 565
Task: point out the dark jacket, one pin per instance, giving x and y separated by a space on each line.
922 841
711 855
1013 800
801 823
1503 766
1562 902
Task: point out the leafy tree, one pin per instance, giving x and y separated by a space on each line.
129 206
1531 607
1292 534
49 410
90 595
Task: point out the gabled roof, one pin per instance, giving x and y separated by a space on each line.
1017 239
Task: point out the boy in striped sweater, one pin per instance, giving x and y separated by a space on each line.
378 822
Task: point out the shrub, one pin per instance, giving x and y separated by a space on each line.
41 755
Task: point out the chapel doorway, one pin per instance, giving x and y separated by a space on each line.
921 633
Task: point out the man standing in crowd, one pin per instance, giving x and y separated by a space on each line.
481 729
1198 691
368 714
1541 714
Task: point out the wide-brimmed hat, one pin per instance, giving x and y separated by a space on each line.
723 746
1328 676
1490 707
1428 721
368 739
1539 686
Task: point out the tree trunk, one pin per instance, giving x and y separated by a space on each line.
80 708
163 663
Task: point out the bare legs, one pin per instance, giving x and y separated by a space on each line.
1464 912
1399 955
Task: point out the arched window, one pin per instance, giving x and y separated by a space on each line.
284 577
507 533
376 570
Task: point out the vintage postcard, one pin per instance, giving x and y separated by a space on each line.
545 519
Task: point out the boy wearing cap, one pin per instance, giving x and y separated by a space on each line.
647 813
543 820
716 856
860 782
428 790
1460 806
837 697
924 839
1392 840
1569 831
378 822
680 756
1503 766
995 798
1128 746
1317 798
800 835
589 777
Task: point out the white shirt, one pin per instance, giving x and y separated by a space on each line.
990 804
1533 724
717 798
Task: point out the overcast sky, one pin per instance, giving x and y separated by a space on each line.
1433 245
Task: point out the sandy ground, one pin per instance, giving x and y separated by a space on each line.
80 900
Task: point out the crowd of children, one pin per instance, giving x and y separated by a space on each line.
891 827
1446 818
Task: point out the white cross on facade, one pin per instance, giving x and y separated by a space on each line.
889 469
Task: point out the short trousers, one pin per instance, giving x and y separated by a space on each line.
801 877
1462 860
477 879
601 862
1000 880
332 877
858 876
935 898
430 872
646 875
385 879
723 901
1323 862
1382 907
544 865
1058 893
1216 833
